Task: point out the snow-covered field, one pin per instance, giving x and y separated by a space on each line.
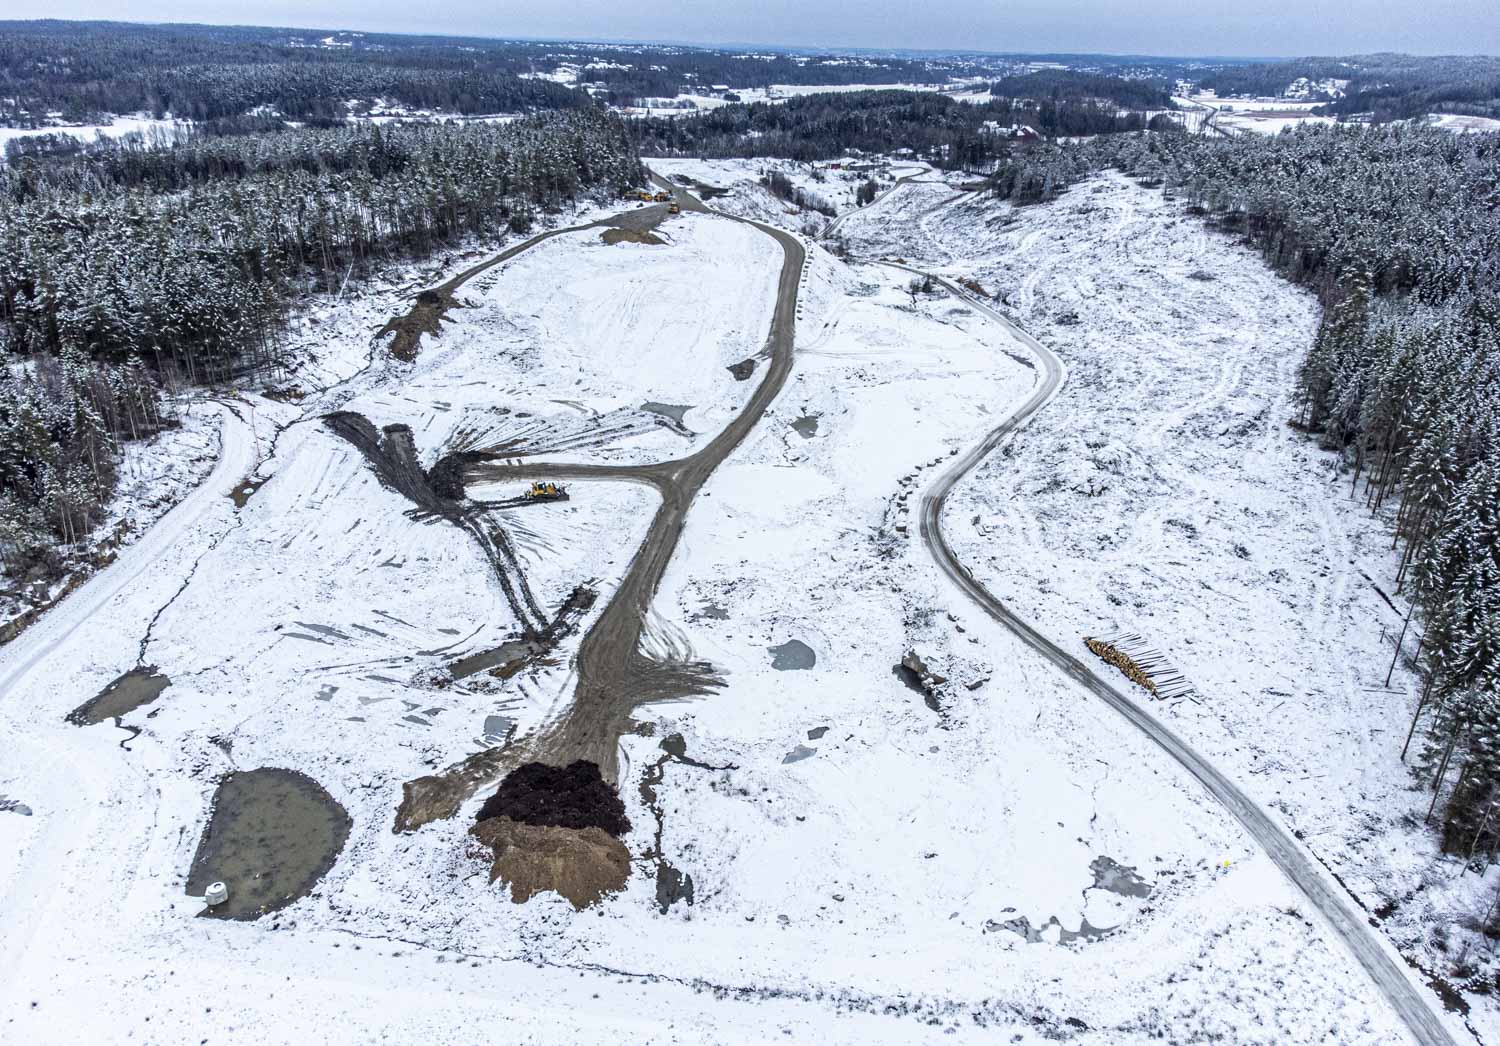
119 127
749 199
997 856
1456 122
1260 115
1164 493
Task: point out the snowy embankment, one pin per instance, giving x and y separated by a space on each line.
154 474
1164 493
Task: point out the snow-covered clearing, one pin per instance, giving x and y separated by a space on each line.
1261 115
748 198
1164 493
868 858
1456 122
165 130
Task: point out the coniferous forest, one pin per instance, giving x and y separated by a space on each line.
124 266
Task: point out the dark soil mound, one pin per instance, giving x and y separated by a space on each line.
574 796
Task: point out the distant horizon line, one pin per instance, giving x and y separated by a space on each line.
737 45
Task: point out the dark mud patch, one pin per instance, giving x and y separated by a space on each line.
574 796
245 490
425 317
614 236
807 425
272 836
1117 878
914 673
580 864
742 370
511 652
792 656
515 655
672 885
1109 875
1035 934
14 806
711 612
140 686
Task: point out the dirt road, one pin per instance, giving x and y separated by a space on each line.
613 676
1367 945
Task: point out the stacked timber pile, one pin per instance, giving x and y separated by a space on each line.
1143 664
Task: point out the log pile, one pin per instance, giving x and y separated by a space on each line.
1143 664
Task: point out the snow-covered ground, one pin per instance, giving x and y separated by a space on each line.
1164 493
748 198
154 130
153 475
1261 115
1456 122
863 854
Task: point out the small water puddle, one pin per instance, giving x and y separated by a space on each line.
792 656
513 652
672 411
1110 876
140 686
272 836
807 425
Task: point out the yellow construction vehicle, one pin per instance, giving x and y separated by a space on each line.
645 197
543 490
663 197
674 209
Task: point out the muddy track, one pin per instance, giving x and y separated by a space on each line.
1367 945
614 677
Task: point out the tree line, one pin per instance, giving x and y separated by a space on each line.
88 70
935 127
1077 86
126 265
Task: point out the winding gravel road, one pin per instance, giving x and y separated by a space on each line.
614 678
1368 946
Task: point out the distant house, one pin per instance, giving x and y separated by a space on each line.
1017 131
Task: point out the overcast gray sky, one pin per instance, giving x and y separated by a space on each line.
1171 27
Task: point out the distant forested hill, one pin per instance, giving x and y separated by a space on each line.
821 126
1072 86
204 72
1389 86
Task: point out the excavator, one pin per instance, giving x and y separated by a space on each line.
544 490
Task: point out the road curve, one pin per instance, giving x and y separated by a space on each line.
1373 952
611 680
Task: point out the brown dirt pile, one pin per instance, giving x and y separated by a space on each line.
614 236
574 796
425 317
581 864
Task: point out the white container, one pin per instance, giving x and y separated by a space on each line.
217 894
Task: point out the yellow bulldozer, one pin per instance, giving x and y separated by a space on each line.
545 490
663 197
